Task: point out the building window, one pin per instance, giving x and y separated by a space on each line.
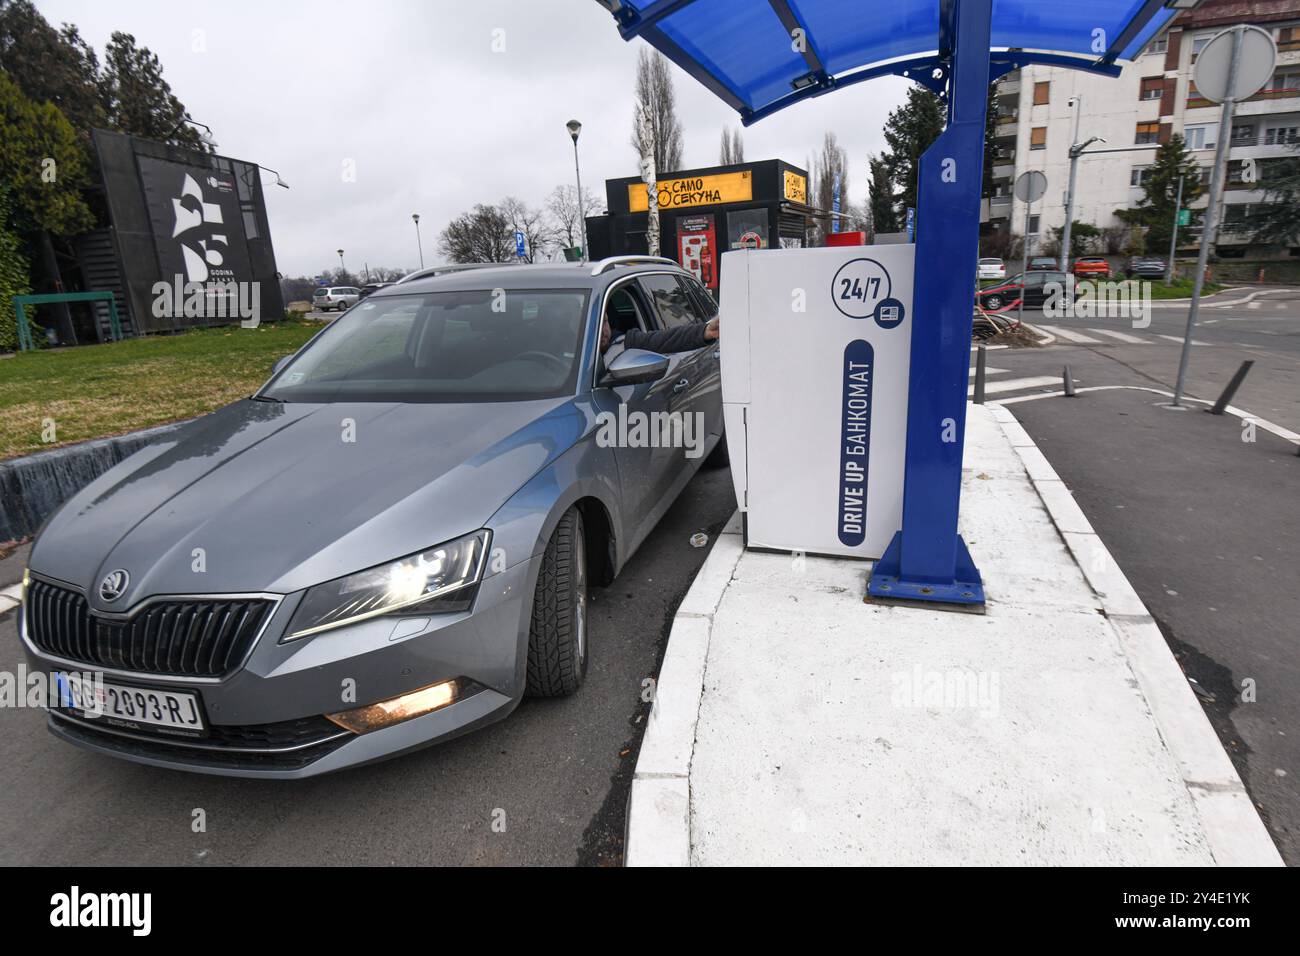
1198 44
1202 136
1038 137
1033 225
1243 134
1281 135
1138 175
1159 45
1147 133
1041 91
1288 38
1153 87
1286 80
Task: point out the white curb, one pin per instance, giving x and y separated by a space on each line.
658 813
1235 833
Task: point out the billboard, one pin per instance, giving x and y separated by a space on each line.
191 220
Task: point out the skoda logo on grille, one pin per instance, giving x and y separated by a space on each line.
114 585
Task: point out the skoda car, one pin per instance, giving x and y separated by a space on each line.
390 543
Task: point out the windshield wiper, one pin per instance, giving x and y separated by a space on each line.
266 398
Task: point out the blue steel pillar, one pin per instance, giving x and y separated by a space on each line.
927 560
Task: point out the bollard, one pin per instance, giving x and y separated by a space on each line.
1231 390
1069 382
979 375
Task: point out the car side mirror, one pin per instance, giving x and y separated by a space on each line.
633 367
281 362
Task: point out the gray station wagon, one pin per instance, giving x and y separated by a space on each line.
391 542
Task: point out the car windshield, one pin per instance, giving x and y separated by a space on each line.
472 346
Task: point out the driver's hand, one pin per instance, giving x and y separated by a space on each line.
712 330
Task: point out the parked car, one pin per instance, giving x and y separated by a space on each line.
373 287
990 269
1145 267
1092 266
1035 285
1043 264
338 297
435 554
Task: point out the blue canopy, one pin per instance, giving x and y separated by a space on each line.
743 50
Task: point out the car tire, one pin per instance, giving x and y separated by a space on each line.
993 302
557 637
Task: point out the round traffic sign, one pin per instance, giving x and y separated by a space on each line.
1030 185
1255 64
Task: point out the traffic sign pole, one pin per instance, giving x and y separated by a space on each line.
1173 238
1228 85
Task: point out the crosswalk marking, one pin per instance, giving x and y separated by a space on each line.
1015 384
1075 337
1121 336
990 370
1179 339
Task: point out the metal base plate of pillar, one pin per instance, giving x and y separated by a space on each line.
964 593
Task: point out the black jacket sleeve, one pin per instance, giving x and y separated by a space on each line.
681 338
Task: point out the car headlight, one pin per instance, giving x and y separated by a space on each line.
441 580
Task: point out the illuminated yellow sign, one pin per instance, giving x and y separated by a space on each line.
796 187
694 191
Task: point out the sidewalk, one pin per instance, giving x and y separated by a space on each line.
794 724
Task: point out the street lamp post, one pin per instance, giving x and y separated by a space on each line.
342 268
574 128
1076 150
415 217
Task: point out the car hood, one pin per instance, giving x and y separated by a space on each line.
263 496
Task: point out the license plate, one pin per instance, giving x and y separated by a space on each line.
118 703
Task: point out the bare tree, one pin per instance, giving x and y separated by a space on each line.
649 176
829 166
566 217
733 148
654 95
539 235
484 234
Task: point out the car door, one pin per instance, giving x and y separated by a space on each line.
628 410
709 389
1033 291
694 374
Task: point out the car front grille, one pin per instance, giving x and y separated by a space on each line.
195 638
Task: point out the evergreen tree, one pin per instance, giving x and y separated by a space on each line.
1277 218
138 99
884 212
1160 192
909 131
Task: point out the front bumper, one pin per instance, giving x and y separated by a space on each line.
266 718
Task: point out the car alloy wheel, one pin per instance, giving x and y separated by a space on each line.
993 302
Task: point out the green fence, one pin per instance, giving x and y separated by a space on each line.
25 329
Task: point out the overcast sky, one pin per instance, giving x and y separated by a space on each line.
434 120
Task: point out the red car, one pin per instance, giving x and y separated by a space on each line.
1087 266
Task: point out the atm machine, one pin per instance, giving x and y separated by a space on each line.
815 358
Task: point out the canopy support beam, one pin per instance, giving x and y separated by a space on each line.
928 561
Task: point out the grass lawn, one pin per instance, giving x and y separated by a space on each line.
1181 289
98 390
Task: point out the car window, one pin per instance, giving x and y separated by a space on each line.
671 304
705 307
1035 278
466 346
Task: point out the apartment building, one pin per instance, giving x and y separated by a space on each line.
1152 99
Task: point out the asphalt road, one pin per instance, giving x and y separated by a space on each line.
1205 525
557 772
1265 329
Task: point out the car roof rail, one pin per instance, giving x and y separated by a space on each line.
604 265
450 267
